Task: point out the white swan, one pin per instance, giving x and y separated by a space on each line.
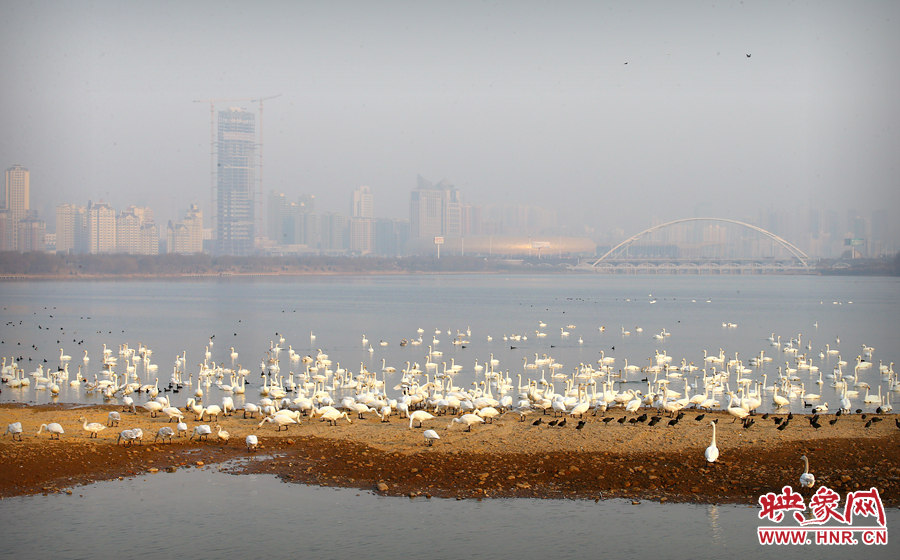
252 442
469 420
166 432
419 416
222 434
279 420
430 437
807 480
712 452
93 428
15 429
53 428
202 431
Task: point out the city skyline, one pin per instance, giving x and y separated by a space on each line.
614 116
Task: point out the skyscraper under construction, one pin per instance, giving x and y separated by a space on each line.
235 182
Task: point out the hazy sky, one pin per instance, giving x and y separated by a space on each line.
617 113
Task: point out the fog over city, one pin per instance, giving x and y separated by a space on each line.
614 113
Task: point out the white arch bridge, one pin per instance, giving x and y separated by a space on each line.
706 245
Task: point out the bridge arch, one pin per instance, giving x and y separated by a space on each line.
802 257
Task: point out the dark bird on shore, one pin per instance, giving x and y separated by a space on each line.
562 423
642 417
897 421
653 421
815 424
858 410
700 417
607 419
863 416
839 412
680 416
777 420
765 416
581 424
869 423
537 422
552 423
748 422
833 421
782 426
877 419
622 420
632 421
673 421
790 415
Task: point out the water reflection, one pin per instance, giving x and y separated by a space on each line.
203 512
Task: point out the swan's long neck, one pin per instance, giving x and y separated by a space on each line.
805 465
714 435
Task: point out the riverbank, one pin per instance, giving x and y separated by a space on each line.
505 459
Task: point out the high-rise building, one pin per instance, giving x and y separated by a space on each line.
101 228
71 229
30 234
186 237
434 210
16 202
362 221
362 203
235 182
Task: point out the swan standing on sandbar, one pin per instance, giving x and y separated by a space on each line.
202 432
807 480
468 420
430 437
252 442
93 428
166 432
53 428
712 452
418 417
15 429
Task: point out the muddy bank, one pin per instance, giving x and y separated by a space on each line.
505 459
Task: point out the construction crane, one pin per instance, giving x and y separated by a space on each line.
212 152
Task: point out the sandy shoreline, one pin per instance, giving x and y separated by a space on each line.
505 459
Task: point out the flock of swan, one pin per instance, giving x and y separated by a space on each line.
312 386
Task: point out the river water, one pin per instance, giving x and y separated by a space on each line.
205 512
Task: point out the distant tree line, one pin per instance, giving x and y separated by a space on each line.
115 265
119 265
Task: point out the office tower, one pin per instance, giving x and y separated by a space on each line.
362 221
101 229
16 202
235 182
362 204
434 210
